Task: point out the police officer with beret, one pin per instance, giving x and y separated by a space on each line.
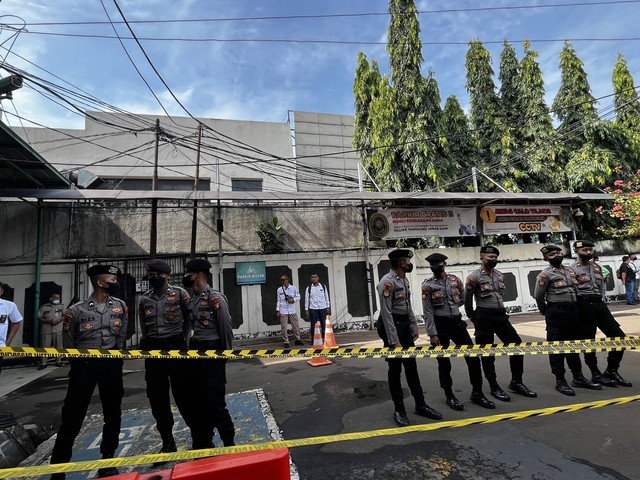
163 314
595 314
397 327
490 318
99 322
442 295
212 330
556 296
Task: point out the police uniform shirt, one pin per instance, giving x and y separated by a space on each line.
486 288
441 298
555 285
163 316
210 316
89 325
9 313
52 315
590 279
395 297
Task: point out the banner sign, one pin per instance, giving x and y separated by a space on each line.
498 220
422 222
250 273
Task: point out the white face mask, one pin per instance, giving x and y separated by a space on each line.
55 302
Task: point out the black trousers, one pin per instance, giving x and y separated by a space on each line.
563 324
209 379
455 329
489 322
401 323
84 375
595 314
162 375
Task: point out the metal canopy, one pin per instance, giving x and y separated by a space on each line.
22 167
268 197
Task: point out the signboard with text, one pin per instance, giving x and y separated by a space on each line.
395 223
250 273
505 219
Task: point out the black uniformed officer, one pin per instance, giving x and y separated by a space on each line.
490 318
212 330
397 327
595 314
163 312
442 295
556 296
99 322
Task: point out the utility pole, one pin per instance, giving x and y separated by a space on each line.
154 202
194 221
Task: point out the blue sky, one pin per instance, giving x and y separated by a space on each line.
260 80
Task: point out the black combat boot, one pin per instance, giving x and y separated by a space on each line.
563 387
580 381
107 471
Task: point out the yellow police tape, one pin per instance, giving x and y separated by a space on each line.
304 442
525 348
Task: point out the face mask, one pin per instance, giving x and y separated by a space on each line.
437 269
157 282
55 302
408 268
113 288
492 263
586 256
187 281
556 261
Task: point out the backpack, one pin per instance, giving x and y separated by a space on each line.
618 274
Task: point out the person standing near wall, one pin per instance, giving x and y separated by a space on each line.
50 317
557 298
98 322
316 304
10 319
490 319
397 327
595 314
288 295
628 277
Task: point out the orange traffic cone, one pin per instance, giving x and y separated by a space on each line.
317 361
329 337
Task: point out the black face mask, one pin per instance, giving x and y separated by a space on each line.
556 261
586 256
157 282
408 268
187 281
113 288
492 263
437 269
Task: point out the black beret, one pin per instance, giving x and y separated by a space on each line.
436 257
489 249
197 265
550 248
103 270
582 244
400 254
158 266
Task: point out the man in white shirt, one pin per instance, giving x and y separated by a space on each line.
633 265
288 295
316 304
10 319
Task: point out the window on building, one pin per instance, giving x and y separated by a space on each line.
246 185
163 184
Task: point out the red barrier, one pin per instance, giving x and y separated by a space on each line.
267 464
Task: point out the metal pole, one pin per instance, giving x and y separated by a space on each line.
220 228
475 179
360 177
36 296
154 203
194 221
367 259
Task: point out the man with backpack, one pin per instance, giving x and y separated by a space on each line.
316 304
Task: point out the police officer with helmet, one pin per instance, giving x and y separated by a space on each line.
490 318
212 330
556 296
163 315
442 295
99 322
397 327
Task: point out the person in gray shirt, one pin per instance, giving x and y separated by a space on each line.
490 318
556 296
442 295
99 322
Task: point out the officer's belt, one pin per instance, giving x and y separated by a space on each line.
400 317
499 311
563 304
590 298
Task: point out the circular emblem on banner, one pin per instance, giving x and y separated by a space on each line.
378 225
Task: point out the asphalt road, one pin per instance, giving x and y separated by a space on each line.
351 395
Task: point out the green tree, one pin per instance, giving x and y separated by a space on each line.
458 145
272 236
510 107
626 104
